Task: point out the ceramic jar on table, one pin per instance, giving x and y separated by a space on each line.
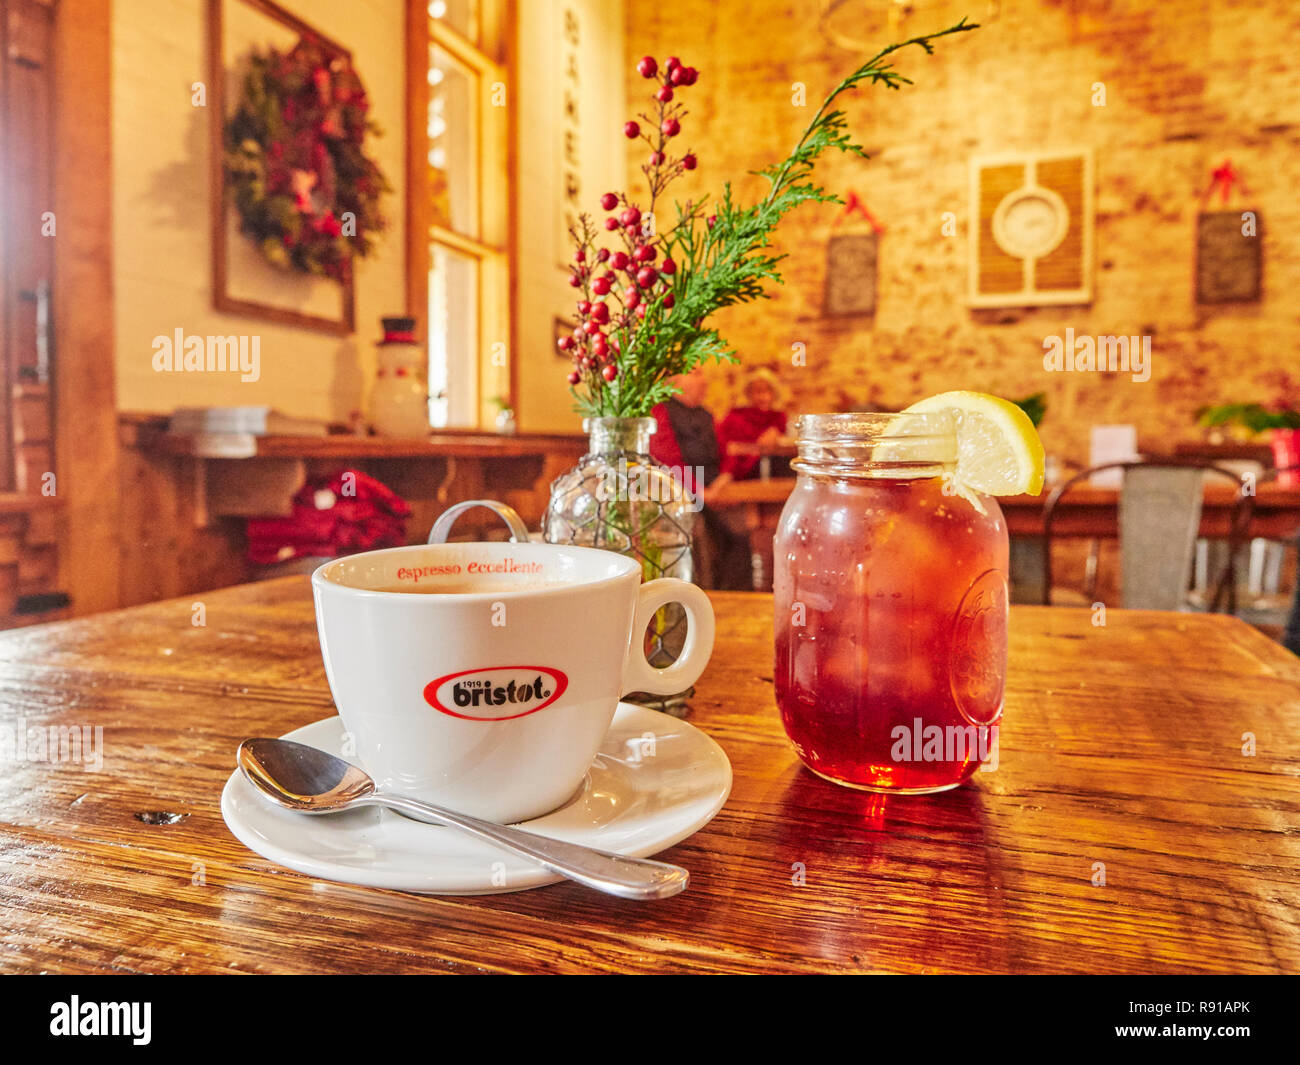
399 402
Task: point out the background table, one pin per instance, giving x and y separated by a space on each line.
1122 749
1086 511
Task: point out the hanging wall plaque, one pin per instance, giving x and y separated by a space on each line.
1229 256
1228 259
851 274
851 263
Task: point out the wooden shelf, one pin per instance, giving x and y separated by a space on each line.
242 475
25 502
1229 450
150 433
347 446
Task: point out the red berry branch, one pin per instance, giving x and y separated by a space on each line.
612 306
644 303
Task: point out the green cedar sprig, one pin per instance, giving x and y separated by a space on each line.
725 258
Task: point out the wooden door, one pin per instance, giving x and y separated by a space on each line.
28 232
30 229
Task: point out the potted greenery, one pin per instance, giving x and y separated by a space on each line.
1280 420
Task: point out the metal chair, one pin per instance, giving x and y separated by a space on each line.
1266 606
1159 516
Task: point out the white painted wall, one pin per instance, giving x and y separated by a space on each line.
162 232
543 292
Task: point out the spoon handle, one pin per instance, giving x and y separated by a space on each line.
615 874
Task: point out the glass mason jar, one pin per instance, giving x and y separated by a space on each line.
618 498
891 606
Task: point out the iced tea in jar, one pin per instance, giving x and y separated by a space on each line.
890 584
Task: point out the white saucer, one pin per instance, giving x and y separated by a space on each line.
655 781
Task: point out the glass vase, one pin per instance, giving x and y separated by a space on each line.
618 499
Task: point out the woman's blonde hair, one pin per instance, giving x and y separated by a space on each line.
780 394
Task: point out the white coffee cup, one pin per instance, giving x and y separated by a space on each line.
493 701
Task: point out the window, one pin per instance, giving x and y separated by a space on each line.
458 208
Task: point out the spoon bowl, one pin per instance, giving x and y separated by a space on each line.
302 777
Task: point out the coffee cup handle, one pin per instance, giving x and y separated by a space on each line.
638 673
442 527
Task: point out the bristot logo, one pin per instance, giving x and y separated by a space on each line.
102 1018
497 693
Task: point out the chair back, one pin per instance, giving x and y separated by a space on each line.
1159 517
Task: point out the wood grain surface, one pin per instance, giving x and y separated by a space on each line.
1122 745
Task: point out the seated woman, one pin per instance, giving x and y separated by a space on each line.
747 433
685 440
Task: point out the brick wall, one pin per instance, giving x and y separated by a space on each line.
1186 86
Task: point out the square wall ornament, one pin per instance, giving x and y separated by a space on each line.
851 274
1031 237
1229 261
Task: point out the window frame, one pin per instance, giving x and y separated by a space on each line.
494 135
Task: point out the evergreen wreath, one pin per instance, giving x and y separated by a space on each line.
306 192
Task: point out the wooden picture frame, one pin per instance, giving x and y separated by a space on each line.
1031 229
237 268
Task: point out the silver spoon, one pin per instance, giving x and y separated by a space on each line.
307 779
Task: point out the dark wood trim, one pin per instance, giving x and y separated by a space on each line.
8 453
217 179
87 458
26 503
417 181
346 326
288 18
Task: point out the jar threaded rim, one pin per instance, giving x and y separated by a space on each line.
873 444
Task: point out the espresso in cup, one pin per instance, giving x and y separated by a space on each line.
483 676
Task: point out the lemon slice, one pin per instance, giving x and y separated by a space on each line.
998 450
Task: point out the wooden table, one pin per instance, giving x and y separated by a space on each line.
1087 511
1122 748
